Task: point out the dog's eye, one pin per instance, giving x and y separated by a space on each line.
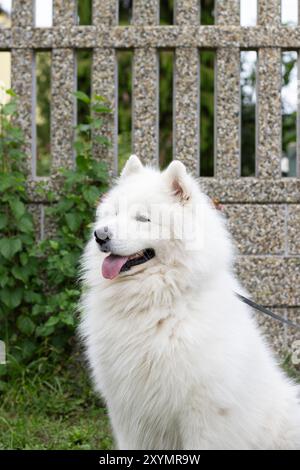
142 218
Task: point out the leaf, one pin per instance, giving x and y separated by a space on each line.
81 96
96 123
9 247
52 321
37 309
100 98
79 147
17 207
11 92
25 224
24 258
3 386
64 205
48 328
82 163
91 194
73 220
32 297
20 272
27 239
83 127
6 182
3 369
25 325
4 279
67 319
3 221
101 139
9 108
54 245
101 109
11 297
28 348
99 170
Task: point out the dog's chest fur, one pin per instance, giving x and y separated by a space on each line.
150 348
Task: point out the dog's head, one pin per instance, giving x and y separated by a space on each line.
152 218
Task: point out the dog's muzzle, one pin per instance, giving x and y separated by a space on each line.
103 236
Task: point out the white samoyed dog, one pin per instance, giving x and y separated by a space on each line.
176 355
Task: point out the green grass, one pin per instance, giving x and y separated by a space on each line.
53 408
84 430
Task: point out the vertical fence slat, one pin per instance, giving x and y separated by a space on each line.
145 12
145 87
22 84
145 104
228 12
104 83
269 113
186 92
63 81
105 12
227 112
186 108
22 13
269 12
187 12
22 79
64 13
227 159
268 149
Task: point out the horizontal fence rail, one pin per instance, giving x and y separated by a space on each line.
264 210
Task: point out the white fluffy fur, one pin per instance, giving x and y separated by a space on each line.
177 357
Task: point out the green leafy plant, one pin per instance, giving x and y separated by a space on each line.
38 279
19 279
72 215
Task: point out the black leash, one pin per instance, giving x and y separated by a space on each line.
266 311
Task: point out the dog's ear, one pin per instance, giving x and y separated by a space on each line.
177 181
133 165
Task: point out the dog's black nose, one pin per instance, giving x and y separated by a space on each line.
102 236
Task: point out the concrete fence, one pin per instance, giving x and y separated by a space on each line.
263 211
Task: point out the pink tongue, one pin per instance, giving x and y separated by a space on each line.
112 265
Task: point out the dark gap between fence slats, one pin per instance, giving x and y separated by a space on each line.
248 112
125 12
207 12
207 112
166 12
84 69
43 60
166 70
84 12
